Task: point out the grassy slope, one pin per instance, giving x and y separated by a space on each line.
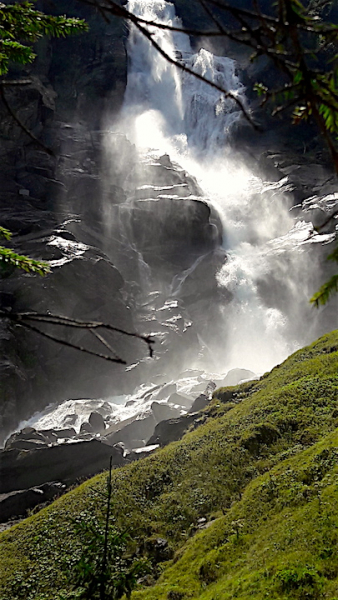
265 470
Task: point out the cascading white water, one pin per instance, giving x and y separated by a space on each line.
183 117
165 108
268 316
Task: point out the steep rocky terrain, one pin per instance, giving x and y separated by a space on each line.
112 223
58 208
69 79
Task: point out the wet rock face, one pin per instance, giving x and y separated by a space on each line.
170 221
124 214
84 285
167 226
34 188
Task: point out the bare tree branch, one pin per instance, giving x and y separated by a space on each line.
70 344
138 22
103 341
15 82
24 319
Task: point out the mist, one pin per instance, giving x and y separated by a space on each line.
265 278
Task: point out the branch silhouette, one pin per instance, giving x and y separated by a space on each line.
26 319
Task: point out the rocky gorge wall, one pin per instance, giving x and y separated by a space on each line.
73 81
56 206
110 226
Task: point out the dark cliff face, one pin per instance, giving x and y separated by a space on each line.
75 83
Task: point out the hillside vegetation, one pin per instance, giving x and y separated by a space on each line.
248 500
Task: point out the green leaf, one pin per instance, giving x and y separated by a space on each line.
298 77
21 24
325 292
30 265
5 233
260 89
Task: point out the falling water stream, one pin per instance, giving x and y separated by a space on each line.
265 274
166 111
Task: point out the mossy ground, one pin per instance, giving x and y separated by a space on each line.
262 469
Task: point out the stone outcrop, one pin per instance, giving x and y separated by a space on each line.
20 469
97 422
235 376
135 433
33 186
163 412
171 430
17 503
201 402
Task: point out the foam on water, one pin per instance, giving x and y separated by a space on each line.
115 409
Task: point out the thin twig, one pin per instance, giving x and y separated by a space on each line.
16 82
71 345
103 341
68 322
241 11
186 69
214 19
22 318
121 12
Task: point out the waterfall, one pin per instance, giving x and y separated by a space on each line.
166 108
255 310
170 112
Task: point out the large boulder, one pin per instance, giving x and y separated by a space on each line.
171 430
173 229
181 400
25 439
166 391
17 503
56 434
138 429
199 403
235 376
97 422
163 412
65 462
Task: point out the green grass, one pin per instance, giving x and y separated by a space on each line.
261 467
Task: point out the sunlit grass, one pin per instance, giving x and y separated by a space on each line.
260 467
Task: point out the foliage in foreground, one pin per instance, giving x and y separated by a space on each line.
261 468
21 25
11 258
328 288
